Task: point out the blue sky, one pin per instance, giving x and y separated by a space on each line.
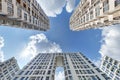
92 43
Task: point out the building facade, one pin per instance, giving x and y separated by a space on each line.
8 69
76 67
94 14
111 67
24 14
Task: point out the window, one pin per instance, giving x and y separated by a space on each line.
10 68
19 1
89 72
5 72
93 65
26 72
105 5
93 78
25 16
76 71
105 76
8 77
91 15
15 78
115 63
47 78
32 78
104 63
70 78
21 72
111 75
118 72
22 78
0 5
43 72
111 60
87 19
24 5
69 72
117 2
97 11
98 70
49 72
19 12
13 74
109 65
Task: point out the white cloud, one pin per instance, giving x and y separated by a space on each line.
39 44
54 7
1 52
70 5
111 42
60 76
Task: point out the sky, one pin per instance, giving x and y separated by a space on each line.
25 44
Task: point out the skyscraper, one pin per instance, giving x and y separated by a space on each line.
23 14
76 67
8 69
94 14
111 67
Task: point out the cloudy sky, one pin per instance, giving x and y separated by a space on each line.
26 44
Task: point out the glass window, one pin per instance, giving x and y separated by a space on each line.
98 70
0 5
70 78
21 72
22 78
76 71
49 72
97 11
91 14
47 78
16 78
105 5
117 2
25 16
105 76
93 78
69 72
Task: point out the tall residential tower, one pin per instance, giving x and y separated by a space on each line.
94 14
23 14
111 67
8 69
76 67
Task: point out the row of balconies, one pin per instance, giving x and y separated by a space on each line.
33 10
105 8
24 25
105 22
